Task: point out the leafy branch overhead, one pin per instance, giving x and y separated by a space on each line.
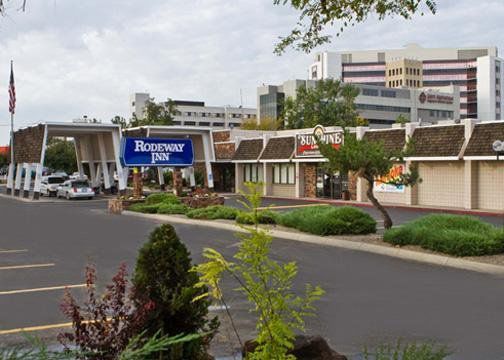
316 15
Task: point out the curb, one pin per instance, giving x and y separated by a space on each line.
394 206
399 253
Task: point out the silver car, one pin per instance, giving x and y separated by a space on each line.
49 185
73 189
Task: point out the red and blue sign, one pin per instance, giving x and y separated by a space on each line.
156 152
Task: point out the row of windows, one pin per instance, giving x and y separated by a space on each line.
215 115
441 114
375 92
383 108
399 71
204 123
252 172
284 174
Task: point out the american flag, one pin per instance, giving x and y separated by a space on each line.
12 93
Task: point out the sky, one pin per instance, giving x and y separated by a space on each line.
74 57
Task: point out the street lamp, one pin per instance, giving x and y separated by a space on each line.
498 147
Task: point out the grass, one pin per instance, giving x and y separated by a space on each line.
328 220
407 352
213 212
172 209
457 235
158 198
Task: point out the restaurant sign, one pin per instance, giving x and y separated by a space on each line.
385 183
435 98
156 152
306 144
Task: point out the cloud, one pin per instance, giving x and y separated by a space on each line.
76 57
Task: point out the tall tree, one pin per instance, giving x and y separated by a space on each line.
369 160
60 155
316 15
156 114
119 120
329 103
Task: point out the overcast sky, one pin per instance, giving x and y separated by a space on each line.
75 57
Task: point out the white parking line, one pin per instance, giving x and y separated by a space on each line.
13 251
23 291
15 267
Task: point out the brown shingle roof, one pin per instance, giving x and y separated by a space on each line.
393 140
248 149
279 148
482 139
438 140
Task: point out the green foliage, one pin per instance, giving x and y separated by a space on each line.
60 155
168 178
172 209
143 208
34 349
407 352
268 285
317 15
328 220
451 234
4 159
402 119
162 275
162 197
213 212
267 123
329 103
156 114
199 178
119 120
263 217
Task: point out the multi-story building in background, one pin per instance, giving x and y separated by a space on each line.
196 113
379 105
477 71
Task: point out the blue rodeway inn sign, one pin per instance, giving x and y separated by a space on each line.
156 152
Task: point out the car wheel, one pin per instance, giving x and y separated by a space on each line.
67 196
90 198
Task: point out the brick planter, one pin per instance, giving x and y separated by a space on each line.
116 206
201 202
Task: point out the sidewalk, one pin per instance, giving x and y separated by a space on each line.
289 234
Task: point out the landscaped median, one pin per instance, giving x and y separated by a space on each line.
457 241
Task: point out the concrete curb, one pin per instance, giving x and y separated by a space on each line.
399 253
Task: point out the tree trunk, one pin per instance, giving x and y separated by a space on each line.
387 221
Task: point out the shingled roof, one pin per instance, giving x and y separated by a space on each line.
279 148
483 137
249 149
437 141
393 140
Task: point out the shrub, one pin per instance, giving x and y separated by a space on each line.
172 209
451 234
158 198
263 217
213 212
327 220
144 208
162 275
104 325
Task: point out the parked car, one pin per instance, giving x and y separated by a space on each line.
73 189
77 176
62 174
49 185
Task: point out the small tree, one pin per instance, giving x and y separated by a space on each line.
163 276
266 283
60 155
402 119
266 123
155 114
119 120
329 103
369 160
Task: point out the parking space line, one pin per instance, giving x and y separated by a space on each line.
13 251
290 206
29 266
51 288
35 328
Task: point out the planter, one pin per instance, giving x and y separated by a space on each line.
116 206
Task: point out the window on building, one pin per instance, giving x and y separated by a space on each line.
133 103
190 123
400 71
252 172
369 92
400 82
498 105
218 124
204 123
407 71
388 93
284 174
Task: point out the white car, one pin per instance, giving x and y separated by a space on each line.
49 185
77 176
73 189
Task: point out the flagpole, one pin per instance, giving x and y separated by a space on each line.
12 129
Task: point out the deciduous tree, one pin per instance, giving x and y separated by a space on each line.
317 15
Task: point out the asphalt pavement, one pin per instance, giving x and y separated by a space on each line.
369 298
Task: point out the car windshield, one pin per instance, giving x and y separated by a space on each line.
55 180
80 184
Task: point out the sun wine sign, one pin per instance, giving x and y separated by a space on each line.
156 152
306 144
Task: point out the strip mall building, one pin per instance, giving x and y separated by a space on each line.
457 164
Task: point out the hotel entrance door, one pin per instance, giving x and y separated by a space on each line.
331 186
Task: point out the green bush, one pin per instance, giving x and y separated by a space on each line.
263 217
213 212
172 209
450 234
407 352
144 208
328 220
163 277
161 197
